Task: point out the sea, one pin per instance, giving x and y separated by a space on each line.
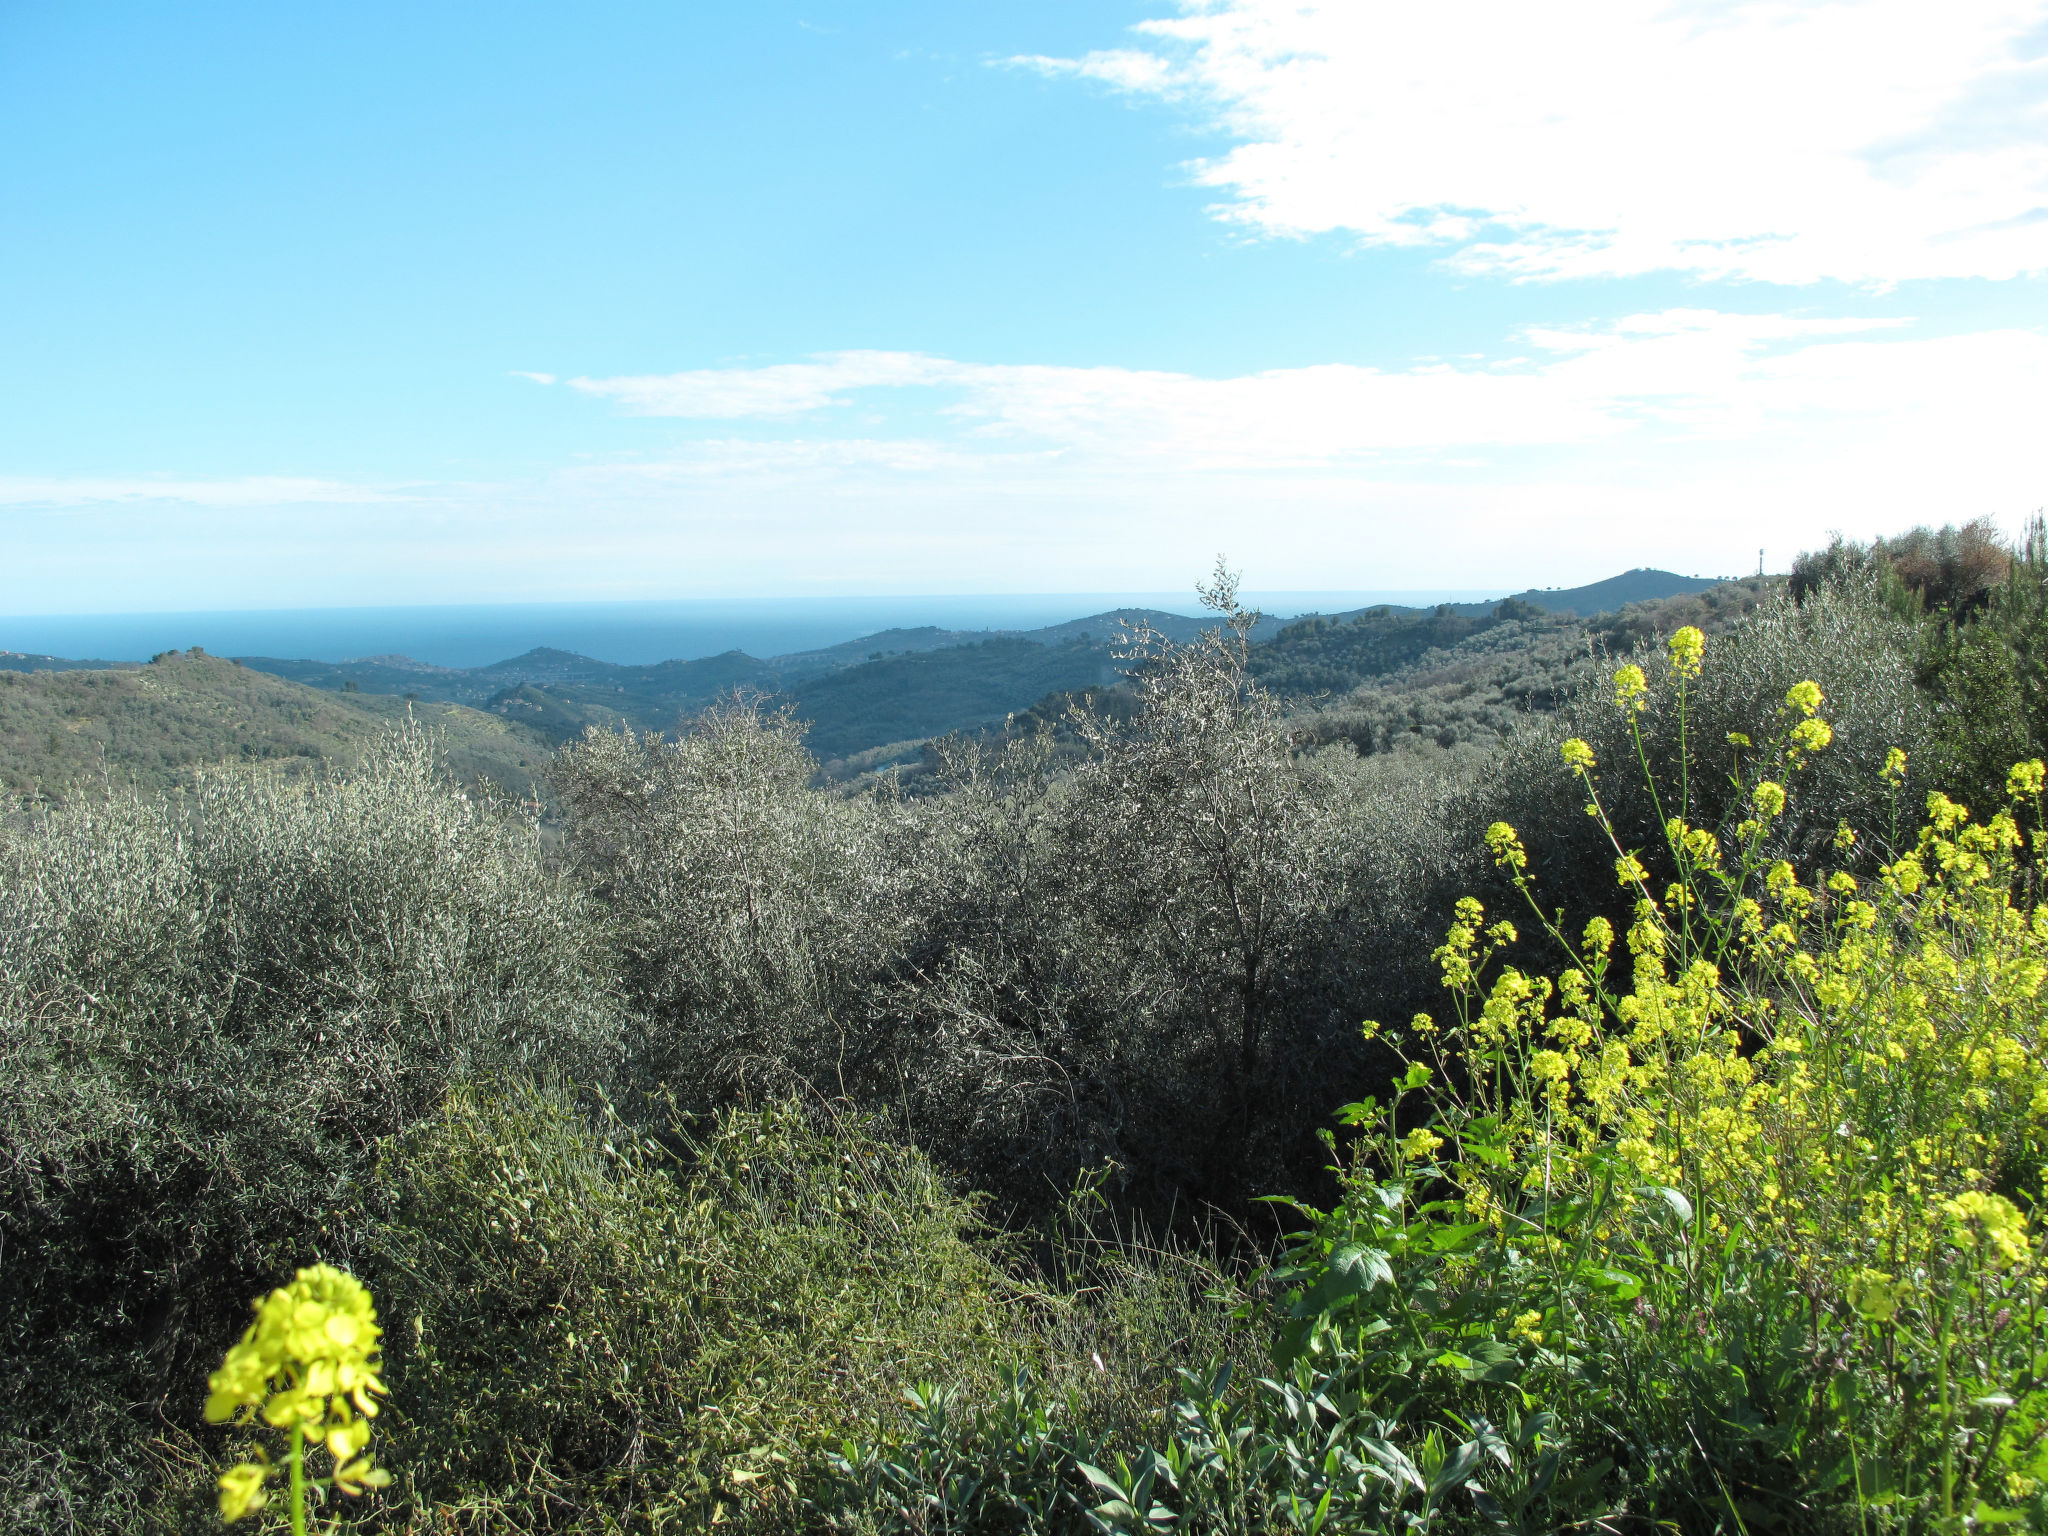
631 634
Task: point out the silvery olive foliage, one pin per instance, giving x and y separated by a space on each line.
211 1009
1138 961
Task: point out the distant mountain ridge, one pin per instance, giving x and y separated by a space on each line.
888 692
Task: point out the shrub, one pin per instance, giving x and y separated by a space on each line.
1134 960
211 1008
588 1325
753 913
1859 656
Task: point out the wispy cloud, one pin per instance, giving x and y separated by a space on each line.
1677 373
1128 69
782 389
1684 438
537 378
237 491
1873 141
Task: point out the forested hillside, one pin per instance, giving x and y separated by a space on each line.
69 732
878 701
1229 1107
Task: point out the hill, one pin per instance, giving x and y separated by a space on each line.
922 694
874 699
1431 681
66 730
1470 686
1641 585
856 695
24 661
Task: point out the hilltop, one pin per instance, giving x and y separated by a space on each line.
70 729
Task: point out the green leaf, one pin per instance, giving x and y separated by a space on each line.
1461 1465
1680 1206
1365 1112
1352 1271
1102 1480
1984 1514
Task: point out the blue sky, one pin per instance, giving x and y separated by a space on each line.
324 304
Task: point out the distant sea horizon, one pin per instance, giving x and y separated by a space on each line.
626 633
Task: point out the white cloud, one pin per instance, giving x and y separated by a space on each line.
537 378
1872 141
1683 438
784 389
237 491
1674 374
1128 69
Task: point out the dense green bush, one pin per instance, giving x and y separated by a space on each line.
754 914
211 1009
1859 654
1975 611
588 1322
1139 959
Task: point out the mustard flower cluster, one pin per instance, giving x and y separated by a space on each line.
1631 689
1843 1068
1687 647
308 1364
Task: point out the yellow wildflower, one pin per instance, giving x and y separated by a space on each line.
1993 1220
1420 1143
309 1364
1811 735
1874 1295
1505 847
1577 754
1686 648
1630 686
1805 697
241 1490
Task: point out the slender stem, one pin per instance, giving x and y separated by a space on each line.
298 1480
1948 1438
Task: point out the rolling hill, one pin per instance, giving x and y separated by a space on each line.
868 702
64 731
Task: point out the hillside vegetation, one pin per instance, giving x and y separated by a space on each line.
903 686
1174 1117
870 705
64 733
